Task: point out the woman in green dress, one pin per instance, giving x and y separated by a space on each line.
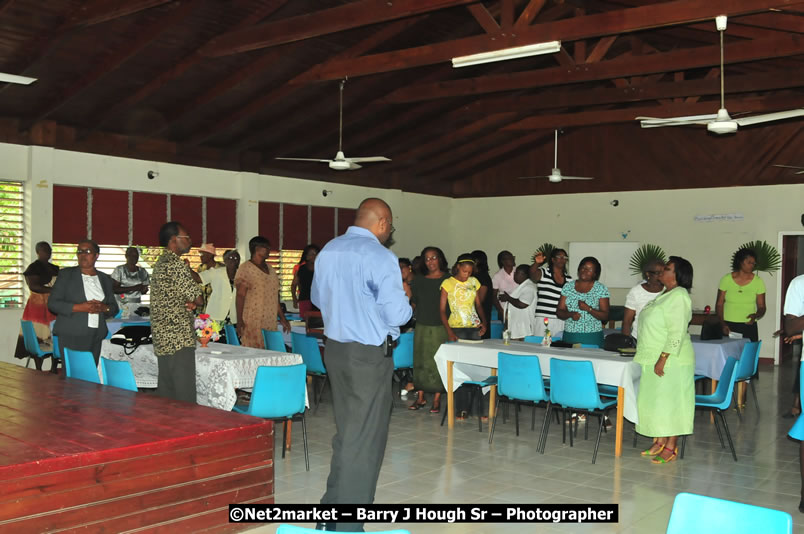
429 333
666 400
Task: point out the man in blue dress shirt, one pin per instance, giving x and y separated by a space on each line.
359 291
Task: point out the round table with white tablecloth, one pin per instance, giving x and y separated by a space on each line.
219 369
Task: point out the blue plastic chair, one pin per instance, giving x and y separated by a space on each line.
292 529
747 368
80 364
519 378
279 393
475 398
231 335
495 315
533 339
574 388
698 514
403 359
496 330
717 402
32 346
589 346
117 373
57 356
273 340
307 346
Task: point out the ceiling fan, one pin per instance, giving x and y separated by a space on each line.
341 162
721 122
800 169
14 78
555 175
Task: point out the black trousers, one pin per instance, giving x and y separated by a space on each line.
89 342
360 376
748 331
177 375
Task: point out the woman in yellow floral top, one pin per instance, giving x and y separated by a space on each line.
466 319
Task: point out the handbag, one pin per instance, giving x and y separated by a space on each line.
131 337
711 330
615 342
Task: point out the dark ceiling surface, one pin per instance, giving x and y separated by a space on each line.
233 84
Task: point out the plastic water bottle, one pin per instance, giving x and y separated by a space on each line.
506 336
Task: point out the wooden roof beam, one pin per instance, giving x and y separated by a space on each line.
98 11
117 58
576 28
324 22
528 14
484 18
5 4
179 68
700 57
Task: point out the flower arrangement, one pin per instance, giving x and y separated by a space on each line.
206 327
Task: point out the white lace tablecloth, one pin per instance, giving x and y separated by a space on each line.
219 369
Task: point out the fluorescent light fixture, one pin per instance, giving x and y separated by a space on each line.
13 78
550 47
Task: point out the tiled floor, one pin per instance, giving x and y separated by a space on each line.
426 463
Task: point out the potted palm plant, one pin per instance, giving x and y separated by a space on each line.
768 258
645 254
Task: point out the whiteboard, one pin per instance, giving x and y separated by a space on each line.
614 258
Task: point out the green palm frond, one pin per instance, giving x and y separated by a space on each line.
768 258
644 255
546 249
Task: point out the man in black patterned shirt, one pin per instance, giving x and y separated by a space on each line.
174 296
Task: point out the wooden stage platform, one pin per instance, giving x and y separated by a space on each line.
79 456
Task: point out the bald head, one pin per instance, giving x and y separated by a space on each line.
374 215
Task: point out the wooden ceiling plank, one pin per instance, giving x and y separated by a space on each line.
5 4
323 22
388 32
117 58
484 18
529 13
600 24
468 165
747 105
713 74
456 136
615 68
601 49
99 11
179 68
559 98
774 21
507 14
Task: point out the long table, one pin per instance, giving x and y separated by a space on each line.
219 369
459 362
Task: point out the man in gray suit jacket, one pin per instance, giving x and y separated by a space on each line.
83 298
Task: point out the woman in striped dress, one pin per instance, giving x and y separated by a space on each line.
549 280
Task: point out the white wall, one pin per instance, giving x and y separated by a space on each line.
664 218
42 167
519 224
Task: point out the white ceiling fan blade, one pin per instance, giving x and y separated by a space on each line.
531 177
767 117
564 177
354 166
799 169
368 159
689 118
305 159
15 78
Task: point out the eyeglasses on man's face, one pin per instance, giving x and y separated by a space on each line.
84 251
